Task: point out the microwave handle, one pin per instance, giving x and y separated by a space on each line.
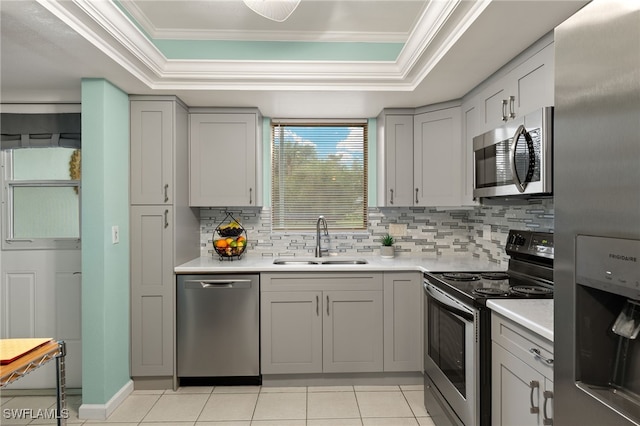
505 117
520 184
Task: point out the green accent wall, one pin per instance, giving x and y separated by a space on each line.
105 266
277 50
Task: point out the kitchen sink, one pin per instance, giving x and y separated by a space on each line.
320 261
294 262
344 262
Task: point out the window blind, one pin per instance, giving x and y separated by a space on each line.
318 169
40 130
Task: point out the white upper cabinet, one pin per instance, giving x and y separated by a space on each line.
152 142
224 158
395 158
471 123
437 154
419 160
533 82
524 85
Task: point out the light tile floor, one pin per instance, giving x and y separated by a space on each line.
246 406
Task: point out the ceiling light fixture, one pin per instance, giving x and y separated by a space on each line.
276 10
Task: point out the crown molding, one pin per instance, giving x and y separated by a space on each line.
431 46
108 28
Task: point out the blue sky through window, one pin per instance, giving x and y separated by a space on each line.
341 140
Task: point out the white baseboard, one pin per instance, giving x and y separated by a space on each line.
102 411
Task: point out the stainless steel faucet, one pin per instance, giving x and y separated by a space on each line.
319 249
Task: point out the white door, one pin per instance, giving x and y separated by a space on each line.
41 298
40 264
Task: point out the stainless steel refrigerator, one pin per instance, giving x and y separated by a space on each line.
597 211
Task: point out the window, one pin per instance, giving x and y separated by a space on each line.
318 169
41 198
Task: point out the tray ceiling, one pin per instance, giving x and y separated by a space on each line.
330 58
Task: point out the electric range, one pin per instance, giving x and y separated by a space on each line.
457 326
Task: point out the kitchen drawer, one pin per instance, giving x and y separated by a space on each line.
521 342
321 281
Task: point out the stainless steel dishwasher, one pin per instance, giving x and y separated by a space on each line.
218 327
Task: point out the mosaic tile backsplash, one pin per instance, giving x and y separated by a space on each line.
478 231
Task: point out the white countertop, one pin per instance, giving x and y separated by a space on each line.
259 263
534 314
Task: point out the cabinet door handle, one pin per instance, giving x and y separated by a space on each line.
546 420
391 200
250 195
512 107
166 192
166 219
537 355
317 305
417 196
327 305
504 110
533 385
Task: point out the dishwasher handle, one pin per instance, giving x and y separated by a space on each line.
228 283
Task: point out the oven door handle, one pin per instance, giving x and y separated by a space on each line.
446 300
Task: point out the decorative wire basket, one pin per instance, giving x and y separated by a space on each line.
232 241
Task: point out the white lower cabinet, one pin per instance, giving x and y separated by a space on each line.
522 386
152 291
291 332
352 331
403 325
321 323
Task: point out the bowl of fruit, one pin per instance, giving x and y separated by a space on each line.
230 246
231 240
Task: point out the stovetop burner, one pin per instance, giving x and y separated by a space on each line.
460 276
495 275
529 274
478 287
527 290
489 291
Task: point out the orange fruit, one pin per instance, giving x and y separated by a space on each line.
221 243
241 238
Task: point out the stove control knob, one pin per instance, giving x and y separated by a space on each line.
517 240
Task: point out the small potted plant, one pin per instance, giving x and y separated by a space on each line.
387 250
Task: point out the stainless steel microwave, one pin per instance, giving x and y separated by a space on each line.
516 158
